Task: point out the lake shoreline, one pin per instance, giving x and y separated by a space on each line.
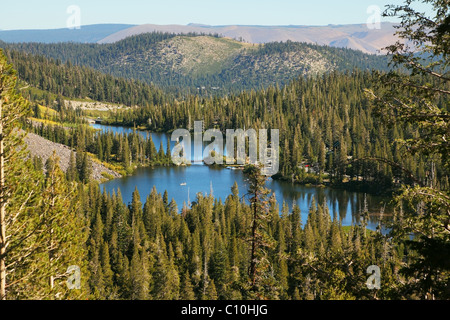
184 182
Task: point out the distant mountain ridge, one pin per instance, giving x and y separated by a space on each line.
356 36
86 34
198 62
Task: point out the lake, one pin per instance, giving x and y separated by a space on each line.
183 183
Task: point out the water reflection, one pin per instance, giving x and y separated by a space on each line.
183 183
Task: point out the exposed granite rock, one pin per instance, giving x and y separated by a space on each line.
44 148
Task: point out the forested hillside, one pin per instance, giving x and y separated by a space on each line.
214 65
78 82
325 121
372 130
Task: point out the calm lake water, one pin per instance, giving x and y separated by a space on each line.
199 178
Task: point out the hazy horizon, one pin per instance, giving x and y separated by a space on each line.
52 14
203 24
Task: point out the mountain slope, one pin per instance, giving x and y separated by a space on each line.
358 36
194 56
43 148
211 62
214 62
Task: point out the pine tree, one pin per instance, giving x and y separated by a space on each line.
296 225
66 238
165 277
410 100
151 150
108 275
161 155
261 282
97 283
187 290
108 148
86 168
139 277
37 164
219 266
126 155
99 149
211 292
21 224
123 276
168 153
282 272
72 173
166 199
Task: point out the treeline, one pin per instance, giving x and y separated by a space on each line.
149 250
127 151
88 54
158 249
94 55
153 249
77 82
327 129
326 124
343 58
241 74
250 69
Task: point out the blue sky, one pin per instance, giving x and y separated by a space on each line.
50 14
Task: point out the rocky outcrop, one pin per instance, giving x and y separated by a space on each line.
44 148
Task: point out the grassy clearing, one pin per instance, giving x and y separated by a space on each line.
47 111
111 166
45 121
